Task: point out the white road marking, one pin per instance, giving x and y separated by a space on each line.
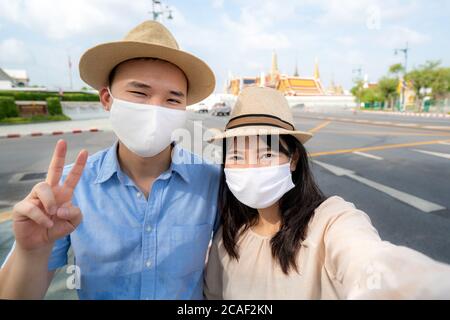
437 127
416 202
436 154
446 143
6 203
382 122
407 124
367 155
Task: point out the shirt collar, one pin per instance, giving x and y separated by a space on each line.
181 159
110 165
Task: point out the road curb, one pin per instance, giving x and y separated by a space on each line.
378 123
52 133
408 114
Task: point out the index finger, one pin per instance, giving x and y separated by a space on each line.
56 166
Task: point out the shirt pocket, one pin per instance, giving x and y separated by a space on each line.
189 245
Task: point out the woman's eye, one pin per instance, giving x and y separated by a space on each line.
267 155
234 158
173 101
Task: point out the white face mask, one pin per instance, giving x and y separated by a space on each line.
259 187
145 129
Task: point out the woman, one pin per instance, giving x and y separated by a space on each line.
281 238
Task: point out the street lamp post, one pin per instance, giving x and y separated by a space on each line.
158 10
405 70
359 78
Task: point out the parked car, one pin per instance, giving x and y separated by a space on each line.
221 109
202 108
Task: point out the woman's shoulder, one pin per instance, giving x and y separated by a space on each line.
335 206
334 201
336 213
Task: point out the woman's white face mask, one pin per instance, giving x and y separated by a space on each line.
258 176
259 187
145 129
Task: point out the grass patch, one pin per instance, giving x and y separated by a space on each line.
34 119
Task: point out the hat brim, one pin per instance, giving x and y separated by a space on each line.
97 63
301 136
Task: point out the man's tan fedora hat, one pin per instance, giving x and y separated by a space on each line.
261 111
149 39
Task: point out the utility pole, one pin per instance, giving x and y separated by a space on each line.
358 78
69 61
405 70
158 10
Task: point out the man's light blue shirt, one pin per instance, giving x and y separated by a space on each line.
130 247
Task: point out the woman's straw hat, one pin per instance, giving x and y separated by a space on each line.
261 111
150 39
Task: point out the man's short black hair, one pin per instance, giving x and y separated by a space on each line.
112 74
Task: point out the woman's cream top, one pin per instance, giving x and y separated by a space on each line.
342 257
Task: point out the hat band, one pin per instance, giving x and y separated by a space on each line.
258 120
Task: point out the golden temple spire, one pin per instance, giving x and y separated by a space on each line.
316 70
296 74
274 71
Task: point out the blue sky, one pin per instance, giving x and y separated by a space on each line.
233 36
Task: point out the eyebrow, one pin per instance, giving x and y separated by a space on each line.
139 85
177 93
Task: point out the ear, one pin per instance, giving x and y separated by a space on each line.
105 99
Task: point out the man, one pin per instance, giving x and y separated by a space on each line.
148 214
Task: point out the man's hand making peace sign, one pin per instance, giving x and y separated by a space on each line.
47 213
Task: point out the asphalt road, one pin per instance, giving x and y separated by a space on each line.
399 176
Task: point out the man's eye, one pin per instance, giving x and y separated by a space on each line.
173 101
138 93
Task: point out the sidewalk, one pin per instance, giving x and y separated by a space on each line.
54 128
311 115
409 114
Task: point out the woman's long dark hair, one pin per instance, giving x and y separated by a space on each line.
296 206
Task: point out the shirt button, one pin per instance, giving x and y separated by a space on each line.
139 194
148 229
148 263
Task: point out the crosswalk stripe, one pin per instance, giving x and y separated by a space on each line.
409 199
367 155
436 154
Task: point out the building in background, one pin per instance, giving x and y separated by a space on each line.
300 91
290 85
12 78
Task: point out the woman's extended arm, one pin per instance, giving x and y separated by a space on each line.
363 266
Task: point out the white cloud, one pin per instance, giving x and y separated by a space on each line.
346 40
58 19
14 52
398 36
218 4
238 35
362 12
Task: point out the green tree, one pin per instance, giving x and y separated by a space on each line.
372 96
387 89
8 108
358 91
430 75
396 69
54 106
